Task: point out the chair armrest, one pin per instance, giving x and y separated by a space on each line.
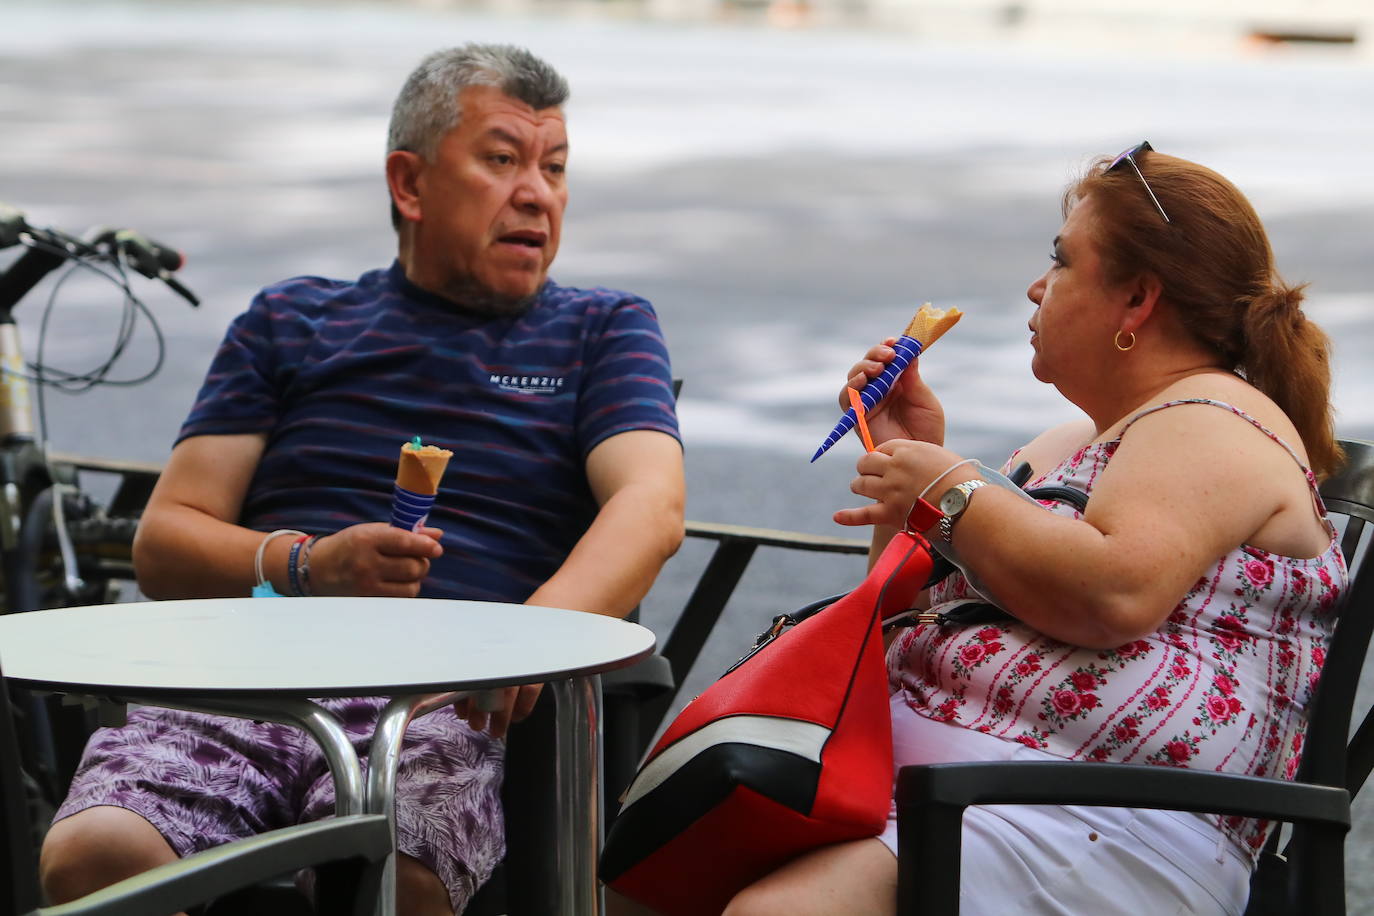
735 548
1120 785
646 678
774 537
201 877
136 478
931 802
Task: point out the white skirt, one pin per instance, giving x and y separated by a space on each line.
1073 860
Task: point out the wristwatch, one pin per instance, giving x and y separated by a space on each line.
953 503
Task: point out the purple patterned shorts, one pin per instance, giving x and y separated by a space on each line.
207 780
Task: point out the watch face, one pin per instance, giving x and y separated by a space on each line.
953 501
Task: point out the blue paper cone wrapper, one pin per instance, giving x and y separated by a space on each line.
410 510
907 349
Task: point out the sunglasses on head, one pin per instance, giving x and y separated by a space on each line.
1129 156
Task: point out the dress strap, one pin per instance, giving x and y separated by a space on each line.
1233 409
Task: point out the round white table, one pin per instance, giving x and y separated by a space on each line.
266 659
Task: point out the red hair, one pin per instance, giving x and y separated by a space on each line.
1216 268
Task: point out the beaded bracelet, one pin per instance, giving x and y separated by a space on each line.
292 559
303 567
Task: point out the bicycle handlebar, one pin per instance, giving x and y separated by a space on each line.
11 225
154 260
148 257
142 253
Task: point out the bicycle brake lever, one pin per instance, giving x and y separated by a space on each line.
175 285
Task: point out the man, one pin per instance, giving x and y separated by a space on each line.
565 488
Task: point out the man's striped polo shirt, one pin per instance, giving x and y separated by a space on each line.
339 374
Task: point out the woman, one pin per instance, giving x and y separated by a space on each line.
1180 621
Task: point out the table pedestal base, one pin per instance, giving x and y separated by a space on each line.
578 764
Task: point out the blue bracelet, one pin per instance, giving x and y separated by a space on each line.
292 574
305 565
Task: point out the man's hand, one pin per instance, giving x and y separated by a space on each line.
373 559
495 710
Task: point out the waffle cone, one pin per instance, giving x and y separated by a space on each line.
930 323
420 470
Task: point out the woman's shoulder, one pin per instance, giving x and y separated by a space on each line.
1199 399
1202 437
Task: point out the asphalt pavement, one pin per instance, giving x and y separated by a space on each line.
785 198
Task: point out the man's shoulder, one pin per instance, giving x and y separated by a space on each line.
589 300
305 286
309 290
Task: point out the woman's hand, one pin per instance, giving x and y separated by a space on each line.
910 410
894 475
373 559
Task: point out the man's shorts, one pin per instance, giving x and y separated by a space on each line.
207 780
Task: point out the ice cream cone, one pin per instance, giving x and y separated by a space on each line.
417 481
930 323
420 469
925 328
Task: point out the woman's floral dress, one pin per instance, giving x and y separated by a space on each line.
1223 685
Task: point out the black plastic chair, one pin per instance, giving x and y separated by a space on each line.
348 853
1307 877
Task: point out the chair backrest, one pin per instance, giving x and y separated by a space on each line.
1281 883
18 861
1328 755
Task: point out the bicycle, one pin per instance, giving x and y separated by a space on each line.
59 545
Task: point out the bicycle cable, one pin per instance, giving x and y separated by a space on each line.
45 376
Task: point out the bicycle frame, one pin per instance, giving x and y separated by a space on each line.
35 487
26 470
16 408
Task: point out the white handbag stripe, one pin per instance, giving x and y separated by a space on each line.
805 739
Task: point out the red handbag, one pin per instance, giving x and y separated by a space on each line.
790 750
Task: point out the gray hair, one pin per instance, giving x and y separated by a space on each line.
427 107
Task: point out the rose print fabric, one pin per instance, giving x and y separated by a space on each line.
1224 684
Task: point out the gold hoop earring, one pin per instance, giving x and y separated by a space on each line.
1117 340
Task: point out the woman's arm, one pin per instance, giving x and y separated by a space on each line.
1185 487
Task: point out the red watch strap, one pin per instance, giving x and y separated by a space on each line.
922 516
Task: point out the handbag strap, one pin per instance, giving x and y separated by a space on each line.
966 613
970 613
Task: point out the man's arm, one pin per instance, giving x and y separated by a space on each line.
189 545
637 479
